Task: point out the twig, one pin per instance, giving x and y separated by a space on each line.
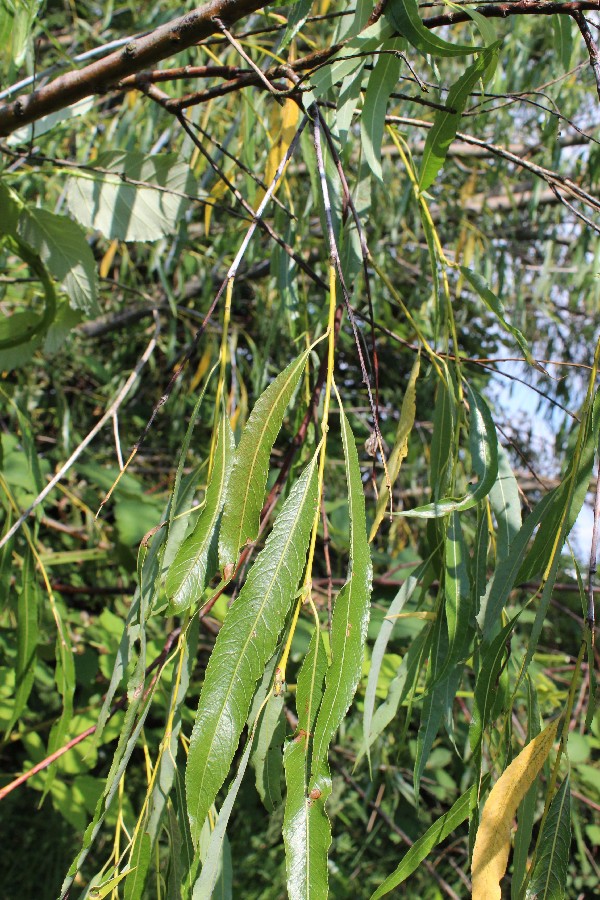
109 414
591 46
120 704
237 46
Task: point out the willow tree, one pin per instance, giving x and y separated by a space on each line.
327 232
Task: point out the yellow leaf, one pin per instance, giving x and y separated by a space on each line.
492 844
202 369
108 259
400 451
289 113
217 192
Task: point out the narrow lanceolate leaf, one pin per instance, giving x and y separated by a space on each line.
246 488
492 844
267 758
350 616
405 17
196 559
446 122
379 648
549 878
487 683
64 677
306 832
382 81
27 637
495 305
400 450
457 588
244 645
438 832
484 460
506 505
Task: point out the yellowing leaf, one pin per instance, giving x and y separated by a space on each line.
492 844
289 122
217 192
400 451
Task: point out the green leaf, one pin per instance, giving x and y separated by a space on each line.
563 39
9 212
246 488
444 427
446 123
350 615
403 685
62 246
405 18
306 832
243 647
487 683
528 806
64 677
568 498
495 305
402 597
136 198
27 637
267 759
457 589
505 576
506 505
549 878
400 450
438 832
296 19
484 460
382 81
196 560
139 863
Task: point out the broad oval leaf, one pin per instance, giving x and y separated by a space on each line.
135 197
196 559
62 246
492 844
243 647
246 487
484 459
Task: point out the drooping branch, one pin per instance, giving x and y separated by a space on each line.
142 53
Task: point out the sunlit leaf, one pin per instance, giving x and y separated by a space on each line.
246 487
244 645
492 845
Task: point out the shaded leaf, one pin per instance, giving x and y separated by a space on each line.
62 246
27 637
117 204
267 759
400 449
549 877
484 460
438 832
495 305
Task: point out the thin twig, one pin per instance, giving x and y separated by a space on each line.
108 415
591 613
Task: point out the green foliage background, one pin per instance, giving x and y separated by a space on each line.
116 234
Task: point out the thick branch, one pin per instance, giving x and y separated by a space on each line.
180 34
138 54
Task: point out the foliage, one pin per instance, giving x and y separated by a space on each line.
288 591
